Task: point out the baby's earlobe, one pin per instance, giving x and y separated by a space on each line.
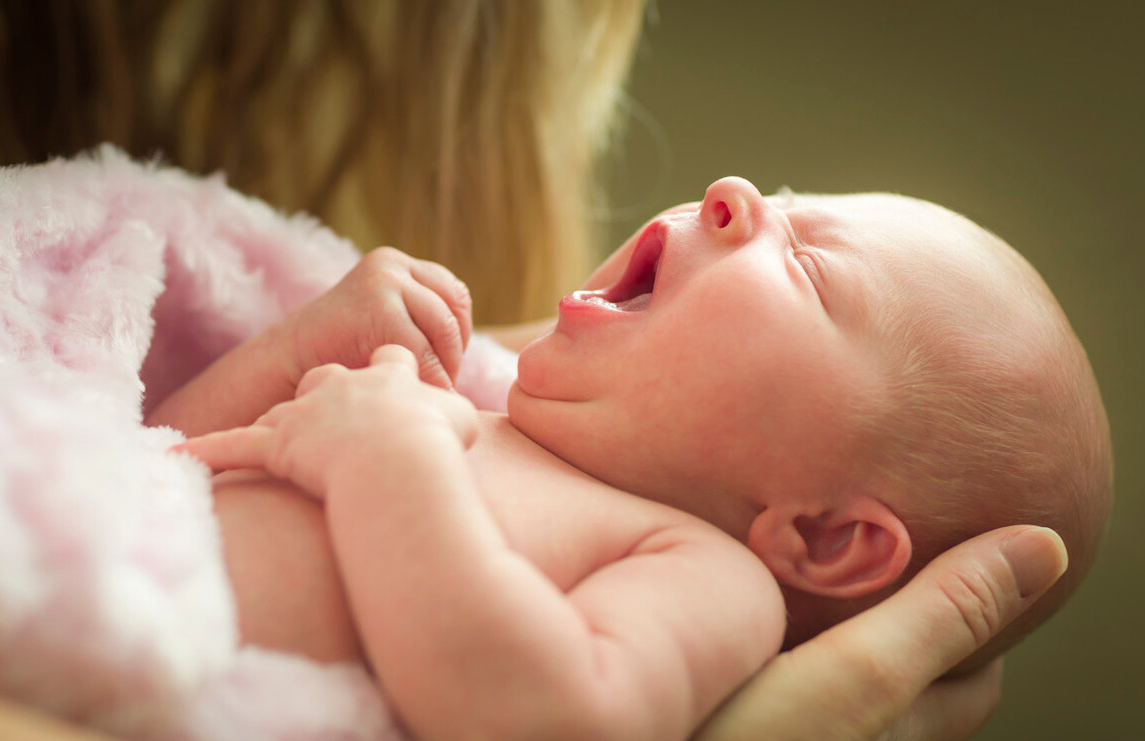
847 551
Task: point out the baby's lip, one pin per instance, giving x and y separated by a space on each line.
637 286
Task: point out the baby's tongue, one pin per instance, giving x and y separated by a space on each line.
636 303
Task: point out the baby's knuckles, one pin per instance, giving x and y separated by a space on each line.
318 375
367 308
340 324
349 416
390 269
380 270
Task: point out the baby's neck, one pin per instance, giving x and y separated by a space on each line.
502 448
499 443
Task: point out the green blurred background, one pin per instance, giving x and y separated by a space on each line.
1029 119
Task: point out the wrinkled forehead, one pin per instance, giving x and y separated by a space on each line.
890 226
899 257
901 244
907 258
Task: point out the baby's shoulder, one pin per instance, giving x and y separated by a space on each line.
567 522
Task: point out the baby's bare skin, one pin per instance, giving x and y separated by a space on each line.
557 602
284 573
277 549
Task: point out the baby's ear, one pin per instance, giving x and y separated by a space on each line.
842 552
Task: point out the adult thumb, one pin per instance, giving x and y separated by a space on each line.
964 598
852 681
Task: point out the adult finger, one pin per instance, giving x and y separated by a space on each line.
951 709
241 447
852 682
438 328
451 289
961 600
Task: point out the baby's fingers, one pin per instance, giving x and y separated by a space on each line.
458 411
440 340
453 291
396 355
241 447
308 382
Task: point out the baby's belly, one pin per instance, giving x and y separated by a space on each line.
277 551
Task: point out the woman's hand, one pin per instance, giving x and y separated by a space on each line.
877 675
341 420
388 298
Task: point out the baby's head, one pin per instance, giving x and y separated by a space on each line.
848 384
990 414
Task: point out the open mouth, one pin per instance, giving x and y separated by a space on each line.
633 292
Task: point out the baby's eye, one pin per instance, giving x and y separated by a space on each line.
806 260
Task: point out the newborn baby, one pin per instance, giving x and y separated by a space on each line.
767 415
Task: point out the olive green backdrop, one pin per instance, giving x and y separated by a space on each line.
1027 118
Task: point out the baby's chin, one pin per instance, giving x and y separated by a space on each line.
514 400
529 412
543 371
529 381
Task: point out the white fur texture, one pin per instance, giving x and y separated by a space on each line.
115 609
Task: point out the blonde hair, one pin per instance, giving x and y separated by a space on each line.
464 131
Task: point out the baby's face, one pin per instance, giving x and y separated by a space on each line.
740 346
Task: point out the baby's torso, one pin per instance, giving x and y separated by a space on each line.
279 557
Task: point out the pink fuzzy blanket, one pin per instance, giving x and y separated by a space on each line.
118 282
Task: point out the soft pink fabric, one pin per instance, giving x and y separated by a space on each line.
118 279
487 372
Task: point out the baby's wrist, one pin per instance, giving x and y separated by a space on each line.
282 349
404 460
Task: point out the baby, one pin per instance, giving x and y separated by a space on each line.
767 415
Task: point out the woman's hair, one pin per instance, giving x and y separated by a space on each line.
463 131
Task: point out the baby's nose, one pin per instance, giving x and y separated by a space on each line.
732 209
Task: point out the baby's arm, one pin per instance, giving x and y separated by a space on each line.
388 297
474 639
468 637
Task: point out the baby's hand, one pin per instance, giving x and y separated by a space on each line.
342 419
387 298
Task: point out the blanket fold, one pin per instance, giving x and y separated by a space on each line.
118 282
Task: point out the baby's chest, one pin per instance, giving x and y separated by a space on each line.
567 526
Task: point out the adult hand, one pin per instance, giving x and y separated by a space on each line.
388 298
874 676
